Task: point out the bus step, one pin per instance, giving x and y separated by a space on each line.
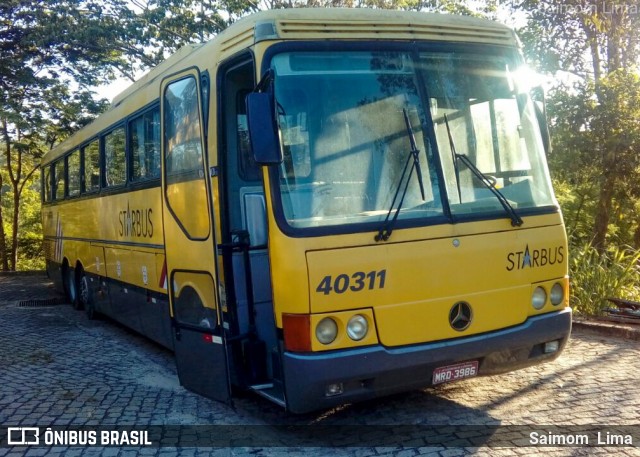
275 393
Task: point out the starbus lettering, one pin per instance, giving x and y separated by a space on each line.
532 258
136 222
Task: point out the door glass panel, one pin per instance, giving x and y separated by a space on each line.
186 190
249 169
193 301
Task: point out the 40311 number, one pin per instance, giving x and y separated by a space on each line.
355 283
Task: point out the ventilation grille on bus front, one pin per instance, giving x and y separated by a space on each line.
346 30
240 40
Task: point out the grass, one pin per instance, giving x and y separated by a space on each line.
597 275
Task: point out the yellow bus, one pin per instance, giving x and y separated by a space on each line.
322 206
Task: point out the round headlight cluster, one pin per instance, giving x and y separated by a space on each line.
327 330
357 327
539 297
557 294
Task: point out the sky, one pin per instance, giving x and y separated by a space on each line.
109 91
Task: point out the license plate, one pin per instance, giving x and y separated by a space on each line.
454 372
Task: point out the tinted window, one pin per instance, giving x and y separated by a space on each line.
186 190
249 169
184 149
114 156
92 166
144 139
46 183
58 180
73 173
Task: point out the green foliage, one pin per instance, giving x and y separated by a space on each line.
578 203
29 237
597 141
596 121
597 275
30 234
47 47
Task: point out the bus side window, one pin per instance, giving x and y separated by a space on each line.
114 158
46 184
91 162
73 173
144 138
58 180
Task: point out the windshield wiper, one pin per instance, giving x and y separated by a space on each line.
414 153
516 220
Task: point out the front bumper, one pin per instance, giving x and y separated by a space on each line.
376 370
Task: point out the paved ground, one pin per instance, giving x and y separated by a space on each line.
59 369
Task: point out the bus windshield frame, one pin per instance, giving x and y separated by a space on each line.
344 139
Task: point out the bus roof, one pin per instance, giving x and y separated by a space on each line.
293 24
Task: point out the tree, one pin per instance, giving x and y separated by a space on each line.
44 48
598 43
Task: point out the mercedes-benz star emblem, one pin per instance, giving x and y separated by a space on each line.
460 316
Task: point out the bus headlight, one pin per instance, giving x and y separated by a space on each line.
327 330
539 297
357 327
557 294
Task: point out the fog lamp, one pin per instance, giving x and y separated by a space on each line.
551 347
334 389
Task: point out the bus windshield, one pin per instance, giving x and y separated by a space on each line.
344 117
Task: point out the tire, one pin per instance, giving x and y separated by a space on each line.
70 287
85 297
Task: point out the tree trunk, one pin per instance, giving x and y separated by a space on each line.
4 257
4 253
609 162
14 226
636 237
603 213
14 178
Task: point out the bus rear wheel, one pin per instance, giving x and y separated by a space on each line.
84 297
70 286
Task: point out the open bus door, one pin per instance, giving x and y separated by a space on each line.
198 333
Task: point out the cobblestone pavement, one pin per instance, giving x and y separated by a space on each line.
57 368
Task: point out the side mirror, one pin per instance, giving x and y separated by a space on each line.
263 133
